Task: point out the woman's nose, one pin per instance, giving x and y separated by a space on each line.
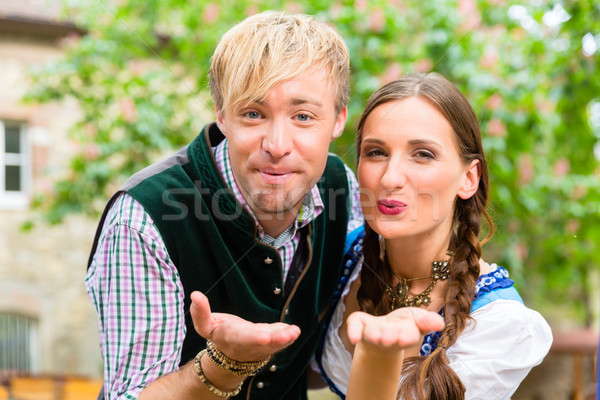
394 176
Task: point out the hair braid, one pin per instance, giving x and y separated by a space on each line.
432 374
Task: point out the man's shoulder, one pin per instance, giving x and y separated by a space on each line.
334 158
335 167
338 174
179 158
125 211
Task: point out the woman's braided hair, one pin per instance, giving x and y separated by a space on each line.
431 377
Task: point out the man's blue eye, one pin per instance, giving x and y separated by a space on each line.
303 117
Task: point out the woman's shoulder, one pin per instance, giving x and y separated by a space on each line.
507 323
498 302
499 346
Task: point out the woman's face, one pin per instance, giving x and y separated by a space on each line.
410 170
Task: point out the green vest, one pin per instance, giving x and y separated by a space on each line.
213 242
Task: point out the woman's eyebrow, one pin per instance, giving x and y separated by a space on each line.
373 140
415 142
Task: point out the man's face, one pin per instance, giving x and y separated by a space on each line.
278 147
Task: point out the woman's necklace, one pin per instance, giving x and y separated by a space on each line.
400 293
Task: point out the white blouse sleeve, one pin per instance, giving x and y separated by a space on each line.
498 349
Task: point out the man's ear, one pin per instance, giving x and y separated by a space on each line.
220 121
340 122
471 182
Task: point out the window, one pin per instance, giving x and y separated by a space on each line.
18 343
14 166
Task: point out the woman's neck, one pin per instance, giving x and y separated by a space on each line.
413 257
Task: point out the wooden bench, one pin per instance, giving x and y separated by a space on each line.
80 389
29 388
579 343
3 393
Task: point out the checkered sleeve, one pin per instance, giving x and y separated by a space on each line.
137 293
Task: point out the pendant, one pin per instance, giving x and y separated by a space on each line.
440 270
399 294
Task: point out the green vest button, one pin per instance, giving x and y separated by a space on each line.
268 261
277 291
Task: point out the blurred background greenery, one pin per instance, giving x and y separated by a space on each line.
529 68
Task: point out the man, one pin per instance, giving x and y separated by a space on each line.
251 216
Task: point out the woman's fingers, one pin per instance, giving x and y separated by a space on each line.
403 327
428 321
355 326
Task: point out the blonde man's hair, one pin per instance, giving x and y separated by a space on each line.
269 48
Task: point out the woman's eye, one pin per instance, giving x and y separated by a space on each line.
425 154
253 115
374 153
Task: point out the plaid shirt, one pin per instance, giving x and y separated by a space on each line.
136 291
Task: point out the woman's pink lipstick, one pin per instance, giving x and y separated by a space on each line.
390 207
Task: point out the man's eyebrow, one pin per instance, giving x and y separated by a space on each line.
295 101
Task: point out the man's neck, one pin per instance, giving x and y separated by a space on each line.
275 224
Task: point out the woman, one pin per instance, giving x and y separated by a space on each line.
418 268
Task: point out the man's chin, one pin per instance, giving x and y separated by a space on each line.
278 206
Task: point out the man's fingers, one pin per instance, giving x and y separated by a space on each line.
284 335
201 314
236 337
244 333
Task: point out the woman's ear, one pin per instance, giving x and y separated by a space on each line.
471 182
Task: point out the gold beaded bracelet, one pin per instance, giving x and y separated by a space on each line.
239 368
209 385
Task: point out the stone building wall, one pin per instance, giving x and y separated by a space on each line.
42 275
42 271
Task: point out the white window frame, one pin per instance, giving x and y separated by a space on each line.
15 200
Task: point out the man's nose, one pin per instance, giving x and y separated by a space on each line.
277 140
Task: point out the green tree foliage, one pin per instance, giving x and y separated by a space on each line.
530 70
